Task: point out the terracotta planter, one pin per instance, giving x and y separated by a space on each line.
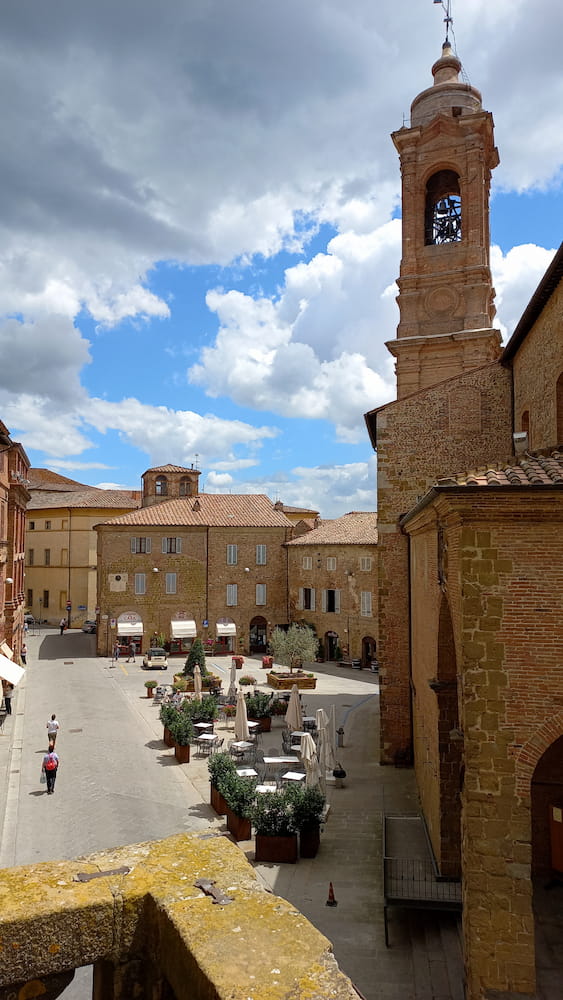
309 841
217 801
238 826
167 737
279 850
182 754
150 692
267 662
282 682
264 722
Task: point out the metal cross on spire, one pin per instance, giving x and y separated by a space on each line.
446 6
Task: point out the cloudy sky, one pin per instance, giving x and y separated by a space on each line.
200 225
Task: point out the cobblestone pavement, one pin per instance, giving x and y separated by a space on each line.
119 784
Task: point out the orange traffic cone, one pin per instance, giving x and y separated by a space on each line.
331 901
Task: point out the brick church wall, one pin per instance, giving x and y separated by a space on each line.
537 366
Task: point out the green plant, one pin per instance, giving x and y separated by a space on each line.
167 714
195 655
307 805
182 729
180 684
294 645
272 814
151 684
246 680
278 706
210 682
204 710
258 705
220 766
239 794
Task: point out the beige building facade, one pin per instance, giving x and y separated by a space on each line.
332 573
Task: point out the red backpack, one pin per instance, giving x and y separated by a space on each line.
51 762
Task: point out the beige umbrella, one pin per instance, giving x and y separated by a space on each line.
10 671
321 718
232 692
311 761
327 757
294 715
331 730
241 719
197 682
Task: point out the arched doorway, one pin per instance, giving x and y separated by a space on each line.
547 866
546 792
330 644
258 635
369 652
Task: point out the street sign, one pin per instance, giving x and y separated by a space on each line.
97 611
112 623
205 623
68 605
82 607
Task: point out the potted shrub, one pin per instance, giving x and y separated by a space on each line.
239 796
195 655
220 766
150 686
274 826
308 806
238 661
247 680
267 662
167 713
182 733
259 709
204 710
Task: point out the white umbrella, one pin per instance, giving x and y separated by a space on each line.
197 682
294 715
241 719
310 760
321 718
232 692
331 730
327 757
10 671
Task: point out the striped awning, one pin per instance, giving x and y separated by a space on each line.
183 629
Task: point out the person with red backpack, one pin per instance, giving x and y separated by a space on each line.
50 767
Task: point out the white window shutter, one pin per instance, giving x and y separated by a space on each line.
324 600
178 545
337 601
300 602
133 545
312 599
147 544
163 545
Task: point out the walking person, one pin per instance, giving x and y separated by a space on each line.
8 690
23 654
50 766
132 651
53 727
62 625
116 650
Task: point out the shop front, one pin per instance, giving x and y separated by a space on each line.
183 631
258 636
225 636
129 629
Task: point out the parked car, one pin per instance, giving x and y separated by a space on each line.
155 658
89 626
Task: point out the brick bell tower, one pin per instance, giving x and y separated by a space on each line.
446 297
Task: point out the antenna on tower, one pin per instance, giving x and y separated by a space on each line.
446 6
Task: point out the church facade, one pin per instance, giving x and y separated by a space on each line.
470 511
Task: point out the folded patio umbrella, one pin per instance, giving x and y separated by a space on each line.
232 692
321 718
309 757
10 671
241 719
294 715
327 757
197 682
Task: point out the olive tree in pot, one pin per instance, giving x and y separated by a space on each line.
274 826
220 766
308 807
239 795
182 733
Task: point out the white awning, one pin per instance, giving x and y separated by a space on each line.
10 671
6 651
226 629
129 628
183 629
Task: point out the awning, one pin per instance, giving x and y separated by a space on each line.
6 651
129 628
183 629
10 671
226 629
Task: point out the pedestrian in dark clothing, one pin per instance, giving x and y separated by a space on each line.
50 767
8 691
23 654
116 650
132 651
62 625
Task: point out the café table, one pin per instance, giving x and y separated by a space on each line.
293 776
204 727
206 741
246 772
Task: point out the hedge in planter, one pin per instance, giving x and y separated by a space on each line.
220 766
274 826
204 710
182 732
307 806
259 709
239 795
166 716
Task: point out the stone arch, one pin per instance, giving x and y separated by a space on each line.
529 755
546 790
442 208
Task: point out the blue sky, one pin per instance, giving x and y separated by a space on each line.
201 233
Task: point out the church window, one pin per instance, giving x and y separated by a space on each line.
442 221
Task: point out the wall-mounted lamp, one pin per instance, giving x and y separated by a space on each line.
155 569
246 569
9 579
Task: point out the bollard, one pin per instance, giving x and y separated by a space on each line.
340 737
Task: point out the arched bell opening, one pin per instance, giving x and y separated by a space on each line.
442 217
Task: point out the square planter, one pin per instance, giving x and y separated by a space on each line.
167 737
264 722
309 841
182 754
285 682
238 826
279 850
217 801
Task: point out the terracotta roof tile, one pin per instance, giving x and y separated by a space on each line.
355 528
46 479
209 509
528 470
89 496
170 468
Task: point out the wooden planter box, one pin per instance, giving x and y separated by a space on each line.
182 754
150 691
264 722
167 737
217 801
284 682
279 850
309 841
238 826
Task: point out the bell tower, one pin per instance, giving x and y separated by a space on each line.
446 297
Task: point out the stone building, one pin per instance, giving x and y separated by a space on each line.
211 565
470 511
61 544
14 467
332 573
